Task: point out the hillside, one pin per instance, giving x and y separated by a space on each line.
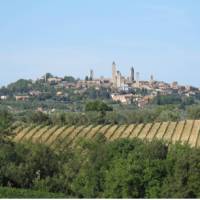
184 131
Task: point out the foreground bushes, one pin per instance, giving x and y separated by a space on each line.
99 168
21 193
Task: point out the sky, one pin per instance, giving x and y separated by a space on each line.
70 37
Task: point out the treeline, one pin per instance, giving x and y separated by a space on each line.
103 169
98 112
175 99
8 193
121 116
48 91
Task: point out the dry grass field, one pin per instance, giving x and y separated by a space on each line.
186 132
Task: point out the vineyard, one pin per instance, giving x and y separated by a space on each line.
184 131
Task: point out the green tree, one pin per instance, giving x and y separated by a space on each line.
20 86
48 75
89 182
124 179
69 79
38 118
193 112
97 106
168 115
6 120
183 178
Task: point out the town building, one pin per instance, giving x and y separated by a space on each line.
21 98
54 80
119 81
3 97
124 99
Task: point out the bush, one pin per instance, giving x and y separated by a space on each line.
98 168
6 192
5 122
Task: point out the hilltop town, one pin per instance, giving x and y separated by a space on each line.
118 88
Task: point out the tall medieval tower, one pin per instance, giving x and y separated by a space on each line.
114 74
132 75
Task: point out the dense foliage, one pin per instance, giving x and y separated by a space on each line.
7 192
5 122
98 112
100 168
98 106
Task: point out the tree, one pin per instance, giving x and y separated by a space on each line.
167 99
183 175
69 79
193 112
124 179
97 106
168 115
38 118
48 75
100 107
20 86
5 121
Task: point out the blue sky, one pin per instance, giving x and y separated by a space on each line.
68 37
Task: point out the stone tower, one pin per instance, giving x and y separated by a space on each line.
119 79
91 75
138 79
132 75
151 79
114 74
